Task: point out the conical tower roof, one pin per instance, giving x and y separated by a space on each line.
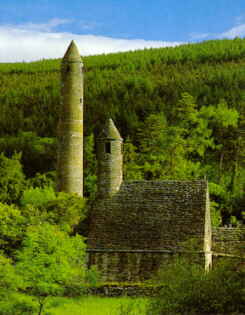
72 53
110 131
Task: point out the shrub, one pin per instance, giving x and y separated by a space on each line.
37 196
188 289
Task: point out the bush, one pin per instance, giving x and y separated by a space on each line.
37 196
188 289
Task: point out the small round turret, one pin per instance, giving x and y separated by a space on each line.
110 160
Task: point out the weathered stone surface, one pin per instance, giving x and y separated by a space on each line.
70 128
150 215
110 131
110 161
230 241
144 224
136 265
115 290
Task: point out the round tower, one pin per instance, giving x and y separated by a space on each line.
70 128
110 160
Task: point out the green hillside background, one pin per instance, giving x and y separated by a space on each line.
180 111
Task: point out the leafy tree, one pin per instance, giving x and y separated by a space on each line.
12 179
89 167
164 150
42 180
51 263
11 301
40 205
37 152
222 121
12 227
216 219
152 145
132 169
67 211
9 283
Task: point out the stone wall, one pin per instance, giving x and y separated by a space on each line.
228 241
136 230
122 289
136 265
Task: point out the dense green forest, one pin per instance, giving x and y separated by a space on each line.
180 111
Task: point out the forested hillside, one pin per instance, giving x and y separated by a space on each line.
180 111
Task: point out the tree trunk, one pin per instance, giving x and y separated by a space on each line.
40 308
221 165
41 305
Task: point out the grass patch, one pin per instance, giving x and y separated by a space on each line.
99 306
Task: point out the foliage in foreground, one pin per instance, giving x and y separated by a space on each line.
55 259
49 264
188 289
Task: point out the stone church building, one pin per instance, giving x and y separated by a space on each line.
135 226
138 225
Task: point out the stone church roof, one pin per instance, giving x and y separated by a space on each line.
150 215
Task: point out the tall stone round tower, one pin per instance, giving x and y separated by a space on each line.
70 128
110 160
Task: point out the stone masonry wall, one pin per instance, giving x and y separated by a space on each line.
70 127
110 161
143 225
229 241
110 166
133 266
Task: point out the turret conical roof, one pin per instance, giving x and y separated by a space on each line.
72 53
110 131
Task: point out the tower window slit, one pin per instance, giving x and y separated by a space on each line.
107 147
